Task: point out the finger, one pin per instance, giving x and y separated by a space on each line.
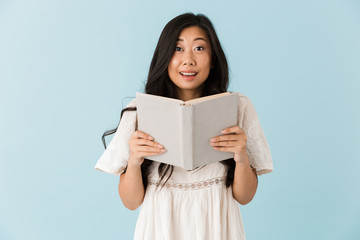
147 149
146 142
225 144
234 129
225 138
148 154
140 134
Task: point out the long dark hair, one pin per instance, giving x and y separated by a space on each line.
159 83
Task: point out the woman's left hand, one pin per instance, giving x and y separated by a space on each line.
232 140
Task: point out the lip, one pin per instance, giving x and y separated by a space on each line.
188 72
189 77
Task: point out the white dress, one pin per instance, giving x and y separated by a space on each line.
193 204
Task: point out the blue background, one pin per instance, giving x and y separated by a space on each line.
65 67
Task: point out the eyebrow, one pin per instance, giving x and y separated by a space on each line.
196 39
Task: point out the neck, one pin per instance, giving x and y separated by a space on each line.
188 95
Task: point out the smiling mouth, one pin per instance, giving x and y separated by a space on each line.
188 74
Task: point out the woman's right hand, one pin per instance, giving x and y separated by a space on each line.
142 145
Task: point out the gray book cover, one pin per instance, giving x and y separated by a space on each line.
185 128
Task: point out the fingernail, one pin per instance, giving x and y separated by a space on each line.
160 146
223 131
151 138
212 140
163 150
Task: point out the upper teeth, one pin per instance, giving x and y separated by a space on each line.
188 74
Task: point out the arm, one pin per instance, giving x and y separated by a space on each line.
245 181
131 188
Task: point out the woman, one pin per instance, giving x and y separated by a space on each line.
188 63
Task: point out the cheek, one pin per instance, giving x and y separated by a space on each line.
206 63
172 67
206 57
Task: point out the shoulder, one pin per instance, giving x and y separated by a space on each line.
243 100
132 103
129 115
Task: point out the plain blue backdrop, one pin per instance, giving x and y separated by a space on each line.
65 67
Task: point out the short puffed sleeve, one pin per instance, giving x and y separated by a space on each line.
115 157
257 146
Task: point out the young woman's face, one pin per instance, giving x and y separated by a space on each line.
190 64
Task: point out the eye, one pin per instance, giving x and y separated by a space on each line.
178 49
199 48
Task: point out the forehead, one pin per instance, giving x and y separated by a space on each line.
193 33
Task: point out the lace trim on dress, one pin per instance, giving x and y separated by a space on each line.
191 186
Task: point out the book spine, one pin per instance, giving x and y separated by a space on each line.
186 130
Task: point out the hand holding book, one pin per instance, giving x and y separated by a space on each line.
233 140
141 145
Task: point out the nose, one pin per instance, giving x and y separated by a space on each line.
189 59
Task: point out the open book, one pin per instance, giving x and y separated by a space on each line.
185 128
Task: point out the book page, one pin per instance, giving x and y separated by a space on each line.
203 99
161 119
210 118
